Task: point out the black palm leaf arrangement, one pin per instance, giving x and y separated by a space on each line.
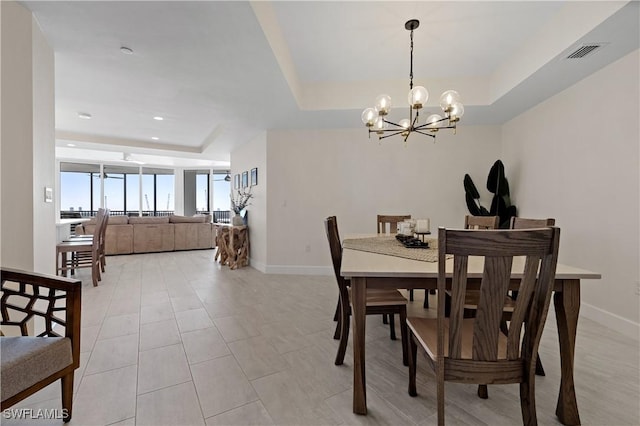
498 185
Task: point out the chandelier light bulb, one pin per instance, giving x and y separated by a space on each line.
418 97
433 120
405 124
383 104
457 111
369 116
449 98
380 125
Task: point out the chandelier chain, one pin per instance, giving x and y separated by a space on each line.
411 65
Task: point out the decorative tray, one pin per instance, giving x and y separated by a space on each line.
411 242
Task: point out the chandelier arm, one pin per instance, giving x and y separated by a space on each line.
426 134
392 123
388 136
422 128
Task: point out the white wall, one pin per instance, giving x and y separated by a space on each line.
318 173
575 158
44 165
1 116
28 161
248 156
17 149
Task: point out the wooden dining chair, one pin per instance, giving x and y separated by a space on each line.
392 222
89 237
379 301
72 255
476 350
473 223
481 222
472 296
527 223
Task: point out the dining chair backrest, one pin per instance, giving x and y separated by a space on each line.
538 250
100 229
481 222
525 223
335 246
392 220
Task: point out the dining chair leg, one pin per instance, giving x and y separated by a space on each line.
385 319
413 354
539 368
528 401
392 326
447 305
440 392
483 392
425 304
403 334
336 333
344 333
336 316
411 295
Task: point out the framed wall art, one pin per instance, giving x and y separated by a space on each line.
245 179
254 176
236 181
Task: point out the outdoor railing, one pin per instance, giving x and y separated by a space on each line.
219 216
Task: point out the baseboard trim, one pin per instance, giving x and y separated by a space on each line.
298 270
258 265
615 322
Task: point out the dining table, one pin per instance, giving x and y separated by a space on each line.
368 266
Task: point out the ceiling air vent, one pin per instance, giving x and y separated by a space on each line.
585 50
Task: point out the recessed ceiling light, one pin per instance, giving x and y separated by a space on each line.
126 50
71 144
155 138
84 115
157 117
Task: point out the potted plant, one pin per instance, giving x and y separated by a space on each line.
239 201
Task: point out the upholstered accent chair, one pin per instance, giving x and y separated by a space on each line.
40 316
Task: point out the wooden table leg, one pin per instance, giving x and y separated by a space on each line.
567 305
359 310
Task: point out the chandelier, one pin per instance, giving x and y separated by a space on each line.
376 118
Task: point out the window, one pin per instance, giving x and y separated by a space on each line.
157 192
221 191
202 192
133 193
114 181
77 187
81 186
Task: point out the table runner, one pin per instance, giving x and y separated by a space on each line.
390 246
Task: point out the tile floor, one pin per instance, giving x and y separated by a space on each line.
175 339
